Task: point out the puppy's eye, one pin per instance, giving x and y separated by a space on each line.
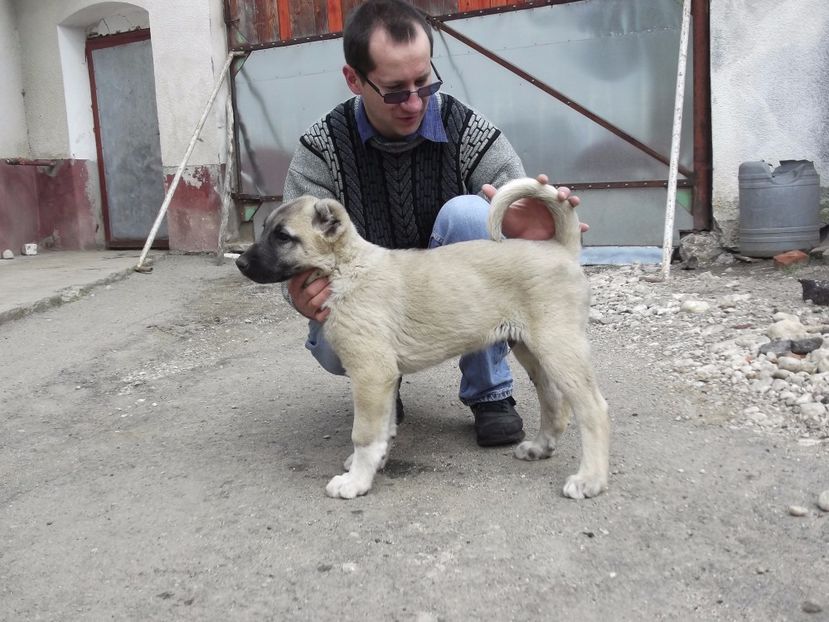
280 235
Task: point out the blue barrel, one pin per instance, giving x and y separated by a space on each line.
780 208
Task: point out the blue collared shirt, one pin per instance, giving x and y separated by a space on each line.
431 128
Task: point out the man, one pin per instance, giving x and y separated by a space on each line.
409 163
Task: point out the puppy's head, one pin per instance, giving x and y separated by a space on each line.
297 236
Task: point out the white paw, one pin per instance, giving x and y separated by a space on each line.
531 450
580 486
350 460
346 486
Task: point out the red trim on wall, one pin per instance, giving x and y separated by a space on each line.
335 16
284 11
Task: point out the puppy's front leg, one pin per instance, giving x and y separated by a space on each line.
373 404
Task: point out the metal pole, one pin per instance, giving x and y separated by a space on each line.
139 267
667 242
226 186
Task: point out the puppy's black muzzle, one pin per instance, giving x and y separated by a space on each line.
243 264
250 265
262 266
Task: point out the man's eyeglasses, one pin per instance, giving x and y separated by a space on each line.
399 97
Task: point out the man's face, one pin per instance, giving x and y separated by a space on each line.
399 67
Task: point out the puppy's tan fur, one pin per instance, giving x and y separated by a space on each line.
395 312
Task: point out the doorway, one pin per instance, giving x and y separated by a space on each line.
127 137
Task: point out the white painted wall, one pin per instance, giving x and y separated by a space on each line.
770 91
14 141
188 53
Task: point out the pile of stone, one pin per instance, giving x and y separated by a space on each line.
752 339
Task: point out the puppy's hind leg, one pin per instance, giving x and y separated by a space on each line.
373 406
569 367
554 413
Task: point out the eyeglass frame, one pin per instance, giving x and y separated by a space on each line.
430 89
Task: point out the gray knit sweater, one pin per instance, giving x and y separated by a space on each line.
393 190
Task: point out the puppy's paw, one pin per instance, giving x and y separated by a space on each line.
532 450
346 486
348 461
580 486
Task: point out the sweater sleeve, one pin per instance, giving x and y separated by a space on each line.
497 165
309 173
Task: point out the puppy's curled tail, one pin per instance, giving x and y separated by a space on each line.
568 232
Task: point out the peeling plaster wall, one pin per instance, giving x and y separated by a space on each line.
770 92
188 53
189 49
13 140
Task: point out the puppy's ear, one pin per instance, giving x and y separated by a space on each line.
328 217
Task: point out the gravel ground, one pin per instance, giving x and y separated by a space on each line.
707 330
165 441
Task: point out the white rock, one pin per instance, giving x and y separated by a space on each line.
788 397
8 254
707 372
796 379
780 316
808 367
595 316
786 329
813 410
798 510
779 385
758 418
761 385
789 363
823 501
694 306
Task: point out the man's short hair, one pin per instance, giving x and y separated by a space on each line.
400 19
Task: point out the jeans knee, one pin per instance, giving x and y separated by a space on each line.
322 351
460 219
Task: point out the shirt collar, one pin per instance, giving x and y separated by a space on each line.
431 128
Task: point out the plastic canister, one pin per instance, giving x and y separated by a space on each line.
780 208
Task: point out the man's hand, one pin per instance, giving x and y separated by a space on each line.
308 298
530 219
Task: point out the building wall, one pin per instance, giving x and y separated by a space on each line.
770 92
189 49
13 140
18 194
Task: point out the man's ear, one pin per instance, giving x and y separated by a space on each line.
328 218
355 85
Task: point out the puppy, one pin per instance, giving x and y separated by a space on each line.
395 312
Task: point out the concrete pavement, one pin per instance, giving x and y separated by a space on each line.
50 278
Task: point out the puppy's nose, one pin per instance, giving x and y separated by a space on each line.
242 263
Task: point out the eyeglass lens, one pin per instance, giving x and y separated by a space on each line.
398 97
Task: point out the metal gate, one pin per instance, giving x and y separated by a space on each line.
584 91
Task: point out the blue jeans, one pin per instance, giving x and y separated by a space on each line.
485 375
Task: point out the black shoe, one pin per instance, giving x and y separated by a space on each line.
399 409
399 404
497 423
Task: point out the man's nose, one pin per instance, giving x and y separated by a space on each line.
414 102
